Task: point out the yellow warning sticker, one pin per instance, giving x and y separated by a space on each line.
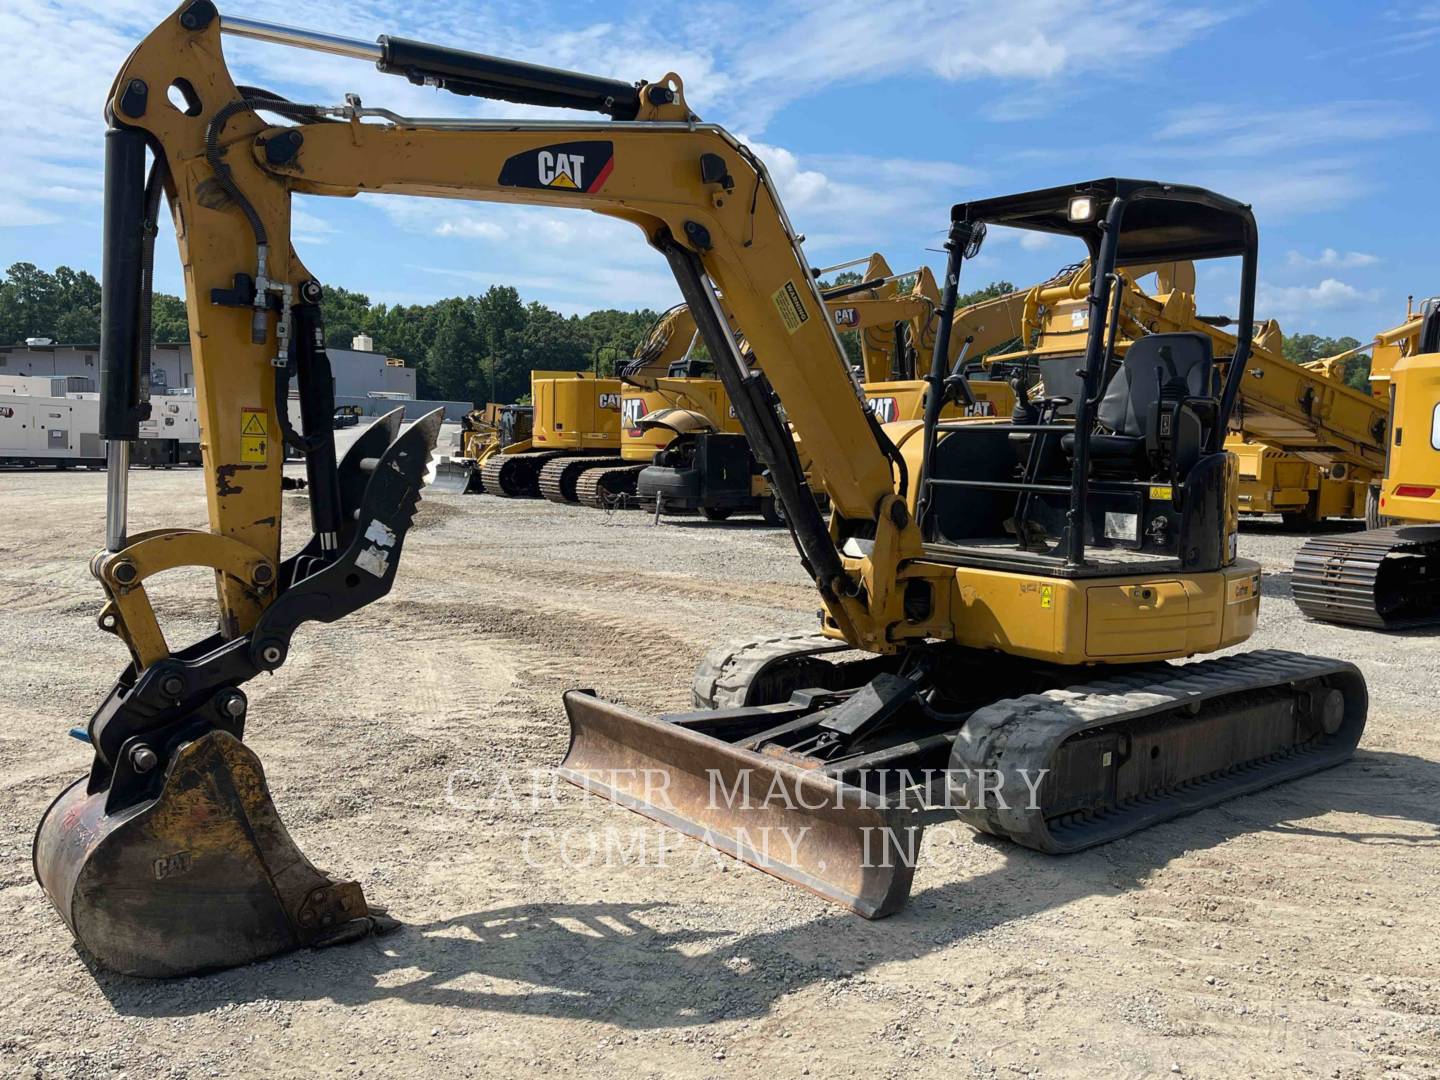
254 435
253 422
790 306
1161 491
1047 596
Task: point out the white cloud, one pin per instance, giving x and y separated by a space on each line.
1332 259
1331 294
1244 131
799 48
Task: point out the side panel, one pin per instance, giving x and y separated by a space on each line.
1120 621
1412 485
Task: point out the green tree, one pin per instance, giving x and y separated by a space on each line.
169 322
450 370
29 303
500 322
1302 348
550 341
346 314
77 306
989 292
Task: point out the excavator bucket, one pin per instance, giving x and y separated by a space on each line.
170 857
203 876
848 845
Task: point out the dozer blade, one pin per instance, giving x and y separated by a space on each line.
202 876
456 478
846 844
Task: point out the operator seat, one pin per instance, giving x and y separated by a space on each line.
1169 365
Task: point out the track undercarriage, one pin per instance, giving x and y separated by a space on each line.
560 478
1386 579
823 769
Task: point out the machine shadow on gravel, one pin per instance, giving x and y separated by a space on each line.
632 965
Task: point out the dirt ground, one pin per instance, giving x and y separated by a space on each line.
1291 933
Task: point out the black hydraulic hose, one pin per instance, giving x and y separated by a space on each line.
841 291
253 99
221 169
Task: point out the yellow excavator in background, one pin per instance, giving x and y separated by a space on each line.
715 472
1307 444
483 434
529 451
1389 576
679 430
1019 586
575 423
1386 350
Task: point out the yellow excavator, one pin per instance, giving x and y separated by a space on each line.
683 441
679 430
575 423
1389 576
1018 586
483 434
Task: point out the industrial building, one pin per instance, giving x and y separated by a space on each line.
369 379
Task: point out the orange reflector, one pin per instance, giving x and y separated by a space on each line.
1413 491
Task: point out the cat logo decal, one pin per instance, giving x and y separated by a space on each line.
573 166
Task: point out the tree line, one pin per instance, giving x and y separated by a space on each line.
463 348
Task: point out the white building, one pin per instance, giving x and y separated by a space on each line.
358 374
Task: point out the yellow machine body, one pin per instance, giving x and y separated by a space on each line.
1411 490
574 411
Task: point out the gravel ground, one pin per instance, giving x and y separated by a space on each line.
1291 933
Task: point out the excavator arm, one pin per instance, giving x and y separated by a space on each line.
174 796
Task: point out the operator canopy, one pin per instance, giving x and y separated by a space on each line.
1161 222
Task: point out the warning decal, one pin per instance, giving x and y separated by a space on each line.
791 308
254 434
1047 596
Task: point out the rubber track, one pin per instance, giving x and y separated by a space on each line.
729 673
1024 733
512 476
1336 578
608 488
558 478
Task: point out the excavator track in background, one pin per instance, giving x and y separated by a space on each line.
515 476
610 487
558 478
1387 579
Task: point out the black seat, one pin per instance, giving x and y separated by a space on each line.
1169 365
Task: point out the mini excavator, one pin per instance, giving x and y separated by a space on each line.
1015 587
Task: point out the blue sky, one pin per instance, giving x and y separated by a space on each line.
873 118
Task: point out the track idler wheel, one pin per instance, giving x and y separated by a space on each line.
200 877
